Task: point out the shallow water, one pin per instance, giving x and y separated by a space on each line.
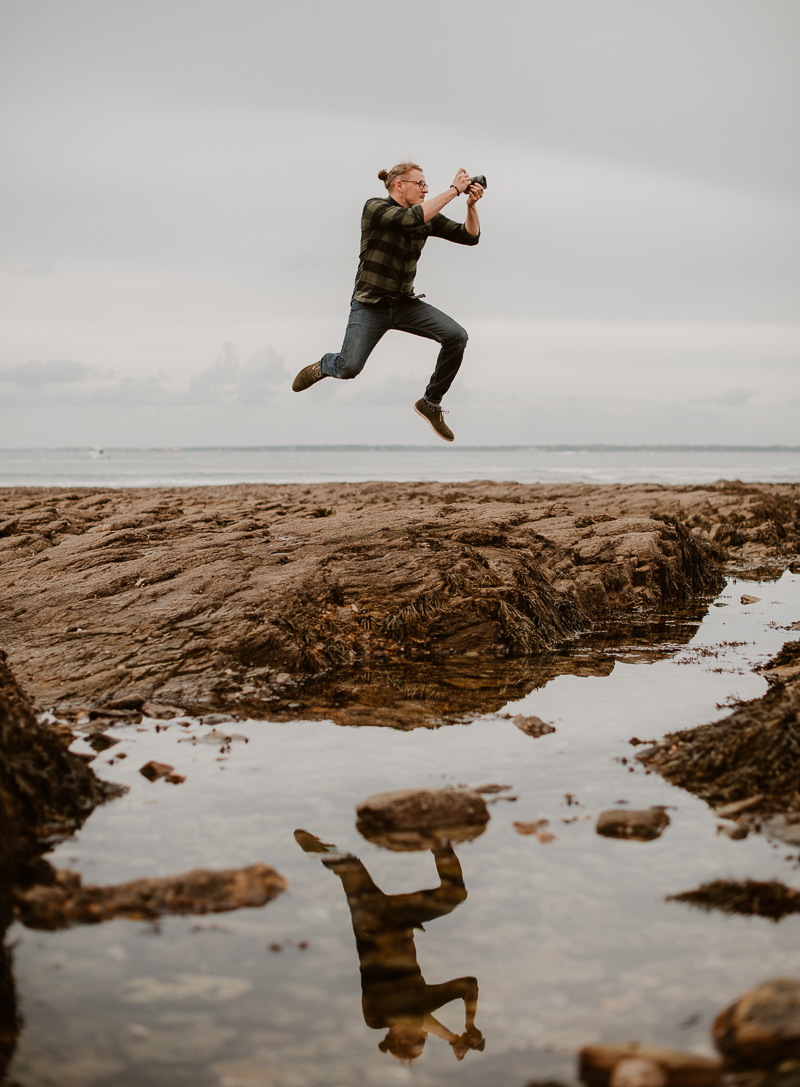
571 940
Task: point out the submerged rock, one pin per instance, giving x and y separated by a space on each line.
641 825
67 901
532 726
413 819
762 1028
154 770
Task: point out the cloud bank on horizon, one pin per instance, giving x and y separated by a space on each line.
184 184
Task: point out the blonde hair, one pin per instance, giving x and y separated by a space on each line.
388 177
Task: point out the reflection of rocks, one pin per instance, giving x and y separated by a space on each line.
66 901
640 825
758 898
750 759
413 819
219 597
637 1065
421 694
762 1028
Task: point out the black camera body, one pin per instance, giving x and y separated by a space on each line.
479 179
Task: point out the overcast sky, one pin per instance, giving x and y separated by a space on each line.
183 182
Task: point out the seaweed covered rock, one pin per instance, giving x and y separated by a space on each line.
751 897
204 597
751 757
43 788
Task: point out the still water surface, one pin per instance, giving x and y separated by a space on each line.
571 940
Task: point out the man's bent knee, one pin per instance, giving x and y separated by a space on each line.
338 367
457 338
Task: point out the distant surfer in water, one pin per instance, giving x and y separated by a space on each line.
394 229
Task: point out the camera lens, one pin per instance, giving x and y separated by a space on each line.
479 179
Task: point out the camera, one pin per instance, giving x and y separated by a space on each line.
479 179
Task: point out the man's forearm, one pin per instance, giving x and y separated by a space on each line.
434 204
472 222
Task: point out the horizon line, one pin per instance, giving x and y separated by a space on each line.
560 446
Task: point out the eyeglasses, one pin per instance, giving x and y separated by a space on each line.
422 184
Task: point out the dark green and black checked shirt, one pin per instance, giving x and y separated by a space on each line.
392 238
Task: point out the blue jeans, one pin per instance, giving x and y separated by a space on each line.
368 323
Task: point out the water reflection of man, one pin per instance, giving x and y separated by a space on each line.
394 993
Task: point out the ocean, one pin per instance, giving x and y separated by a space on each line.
667 464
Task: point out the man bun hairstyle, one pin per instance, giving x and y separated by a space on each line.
388 177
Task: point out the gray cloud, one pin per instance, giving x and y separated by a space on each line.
229 380
35 374
735 397
38 269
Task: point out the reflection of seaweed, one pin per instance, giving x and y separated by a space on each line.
753 897
417 692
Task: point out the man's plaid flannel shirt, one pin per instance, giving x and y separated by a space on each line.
392 238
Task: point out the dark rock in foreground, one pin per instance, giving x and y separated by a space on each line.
638 1065
44 791
762 1028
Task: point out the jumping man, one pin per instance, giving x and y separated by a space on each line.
393 231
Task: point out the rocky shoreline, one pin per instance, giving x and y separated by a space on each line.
393 604
388 603
232 598
397 604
